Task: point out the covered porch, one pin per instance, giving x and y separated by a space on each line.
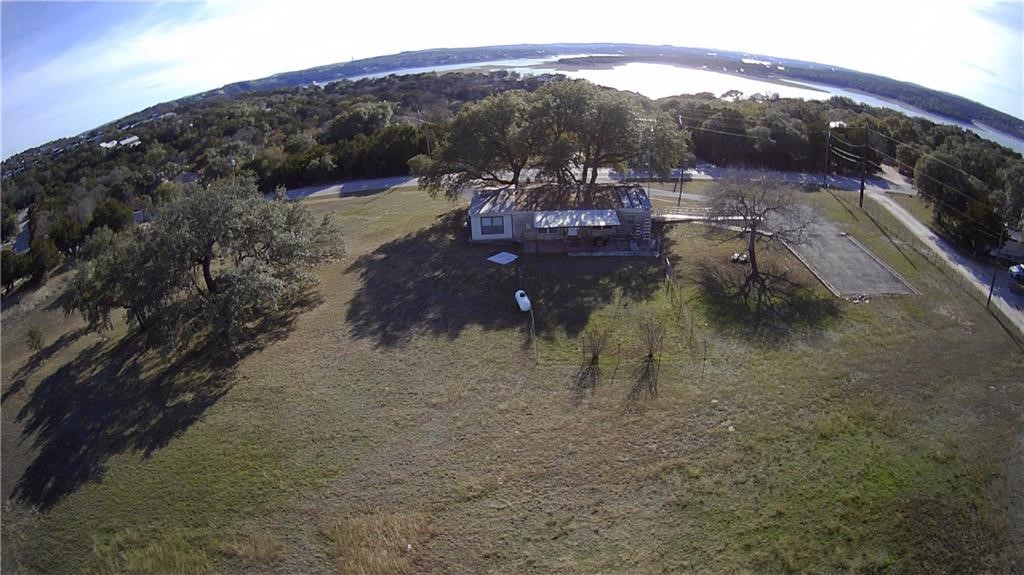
584 233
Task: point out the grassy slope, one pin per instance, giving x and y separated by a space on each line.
407 424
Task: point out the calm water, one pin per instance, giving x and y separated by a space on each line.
661 80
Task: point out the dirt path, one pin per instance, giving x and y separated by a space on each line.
978 274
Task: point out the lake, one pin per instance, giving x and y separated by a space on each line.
661 80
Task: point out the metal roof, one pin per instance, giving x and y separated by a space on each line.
492 201
543 197
575 219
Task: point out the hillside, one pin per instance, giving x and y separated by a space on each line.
313 134
941 103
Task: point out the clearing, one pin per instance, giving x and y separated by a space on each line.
407 422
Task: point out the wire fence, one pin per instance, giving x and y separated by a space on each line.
893 228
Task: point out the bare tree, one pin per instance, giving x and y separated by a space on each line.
761 209
652 334
591 344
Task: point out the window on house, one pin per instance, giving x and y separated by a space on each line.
492 225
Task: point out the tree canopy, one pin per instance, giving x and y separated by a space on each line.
565 131
460 127
214 259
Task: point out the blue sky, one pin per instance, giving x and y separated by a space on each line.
69 67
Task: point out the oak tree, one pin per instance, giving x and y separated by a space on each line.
213 260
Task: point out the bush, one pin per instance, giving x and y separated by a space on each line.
34 338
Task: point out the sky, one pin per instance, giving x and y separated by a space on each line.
68 67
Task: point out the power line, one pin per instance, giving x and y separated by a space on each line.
836 137
949 207
932 156
726 133
846 156
957 191
854 158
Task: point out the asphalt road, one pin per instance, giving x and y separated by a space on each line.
979 275
356 188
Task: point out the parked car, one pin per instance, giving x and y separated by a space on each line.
1017 278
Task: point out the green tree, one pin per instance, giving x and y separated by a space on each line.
14 267
67 234
215 260
111 213
722 139
669 146
8 222
613 131
360 118
44 257
558 115
960 202
906 159
490 141
1011 195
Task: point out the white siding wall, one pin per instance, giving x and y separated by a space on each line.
474 222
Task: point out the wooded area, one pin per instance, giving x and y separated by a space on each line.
460 127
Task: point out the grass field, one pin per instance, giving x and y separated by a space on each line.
409 422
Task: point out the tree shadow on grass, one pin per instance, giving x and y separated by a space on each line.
431 280
434 281
785 311
124 396
567 290
38 358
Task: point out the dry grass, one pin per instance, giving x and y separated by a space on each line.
258 549
379 544
128 554
850 445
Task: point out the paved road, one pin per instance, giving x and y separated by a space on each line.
890 181
978 274
356 188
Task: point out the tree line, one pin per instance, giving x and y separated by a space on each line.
453 128
564 132
975 186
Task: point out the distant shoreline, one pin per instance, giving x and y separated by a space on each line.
562 66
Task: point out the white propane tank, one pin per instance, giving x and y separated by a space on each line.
522 300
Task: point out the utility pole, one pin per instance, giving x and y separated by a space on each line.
828 147
828 144
679 201
863 173
995 267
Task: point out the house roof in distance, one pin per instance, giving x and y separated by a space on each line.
549 197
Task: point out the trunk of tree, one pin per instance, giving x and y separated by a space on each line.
140 318
516 170
593 175
211 285
751 252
